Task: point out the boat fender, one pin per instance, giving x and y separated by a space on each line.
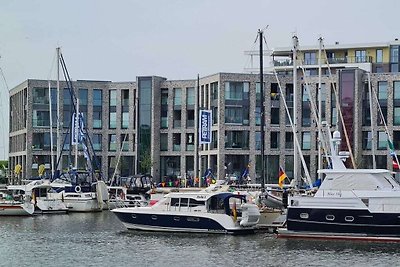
78 189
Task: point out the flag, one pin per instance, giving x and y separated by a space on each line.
234 211
282 177
391 147
395 165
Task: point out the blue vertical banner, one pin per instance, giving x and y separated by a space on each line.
74 136
205 127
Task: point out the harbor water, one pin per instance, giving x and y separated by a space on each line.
99 239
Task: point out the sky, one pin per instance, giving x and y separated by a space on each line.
118 40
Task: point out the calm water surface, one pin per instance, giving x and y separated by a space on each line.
99 239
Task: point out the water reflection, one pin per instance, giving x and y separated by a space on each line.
99 239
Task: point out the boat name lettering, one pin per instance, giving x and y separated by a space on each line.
334 193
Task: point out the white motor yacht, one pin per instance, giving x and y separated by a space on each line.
199 212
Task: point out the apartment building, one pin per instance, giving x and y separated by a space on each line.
149 124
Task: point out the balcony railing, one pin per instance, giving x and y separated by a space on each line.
335 60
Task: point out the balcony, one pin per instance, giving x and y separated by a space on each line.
336 60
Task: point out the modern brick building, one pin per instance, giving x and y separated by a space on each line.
153 118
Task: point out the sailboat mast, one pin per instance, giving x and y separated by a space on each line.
262 111
58 109
196 130
77 125
295 156
319 106
51 133
372 122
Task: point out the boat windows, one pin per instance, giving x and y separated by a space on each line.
349 218
174 202
330 217
184 202
365 201
304 215
195 203
193 219
177 219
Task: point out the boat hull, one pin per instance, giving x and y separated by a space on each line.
176 223
346 221
15 210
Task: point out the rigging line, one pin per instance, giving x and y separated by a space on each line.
4 127
52 66
383 119
315 113
296 141
119 157
339 111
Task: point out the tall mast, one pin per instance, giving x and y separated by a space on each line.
319 106
51 133
262 115
77 125
58 109
196 130
295 44
372 122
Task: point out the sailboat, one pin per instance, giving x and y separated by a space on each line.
81 190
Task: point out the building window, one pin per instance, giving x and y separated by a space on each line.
396 93
306 107
176 142
190 118
113 120
97 97
310 58
306 138
214 139
275 116
177 97
366 142
214 90
237 139
236 90
361 56
396 116
97 120
190 96
275 140
382 90
125 142
177 118
113 98
289 140
164 142
190 142
125 120
258 140
382 140
97 141
379 55
236 115
112 142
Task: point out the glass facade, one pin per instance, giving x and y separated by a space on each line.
112 123
144 131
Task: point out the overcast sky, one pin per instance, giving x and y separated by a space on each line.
119 40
